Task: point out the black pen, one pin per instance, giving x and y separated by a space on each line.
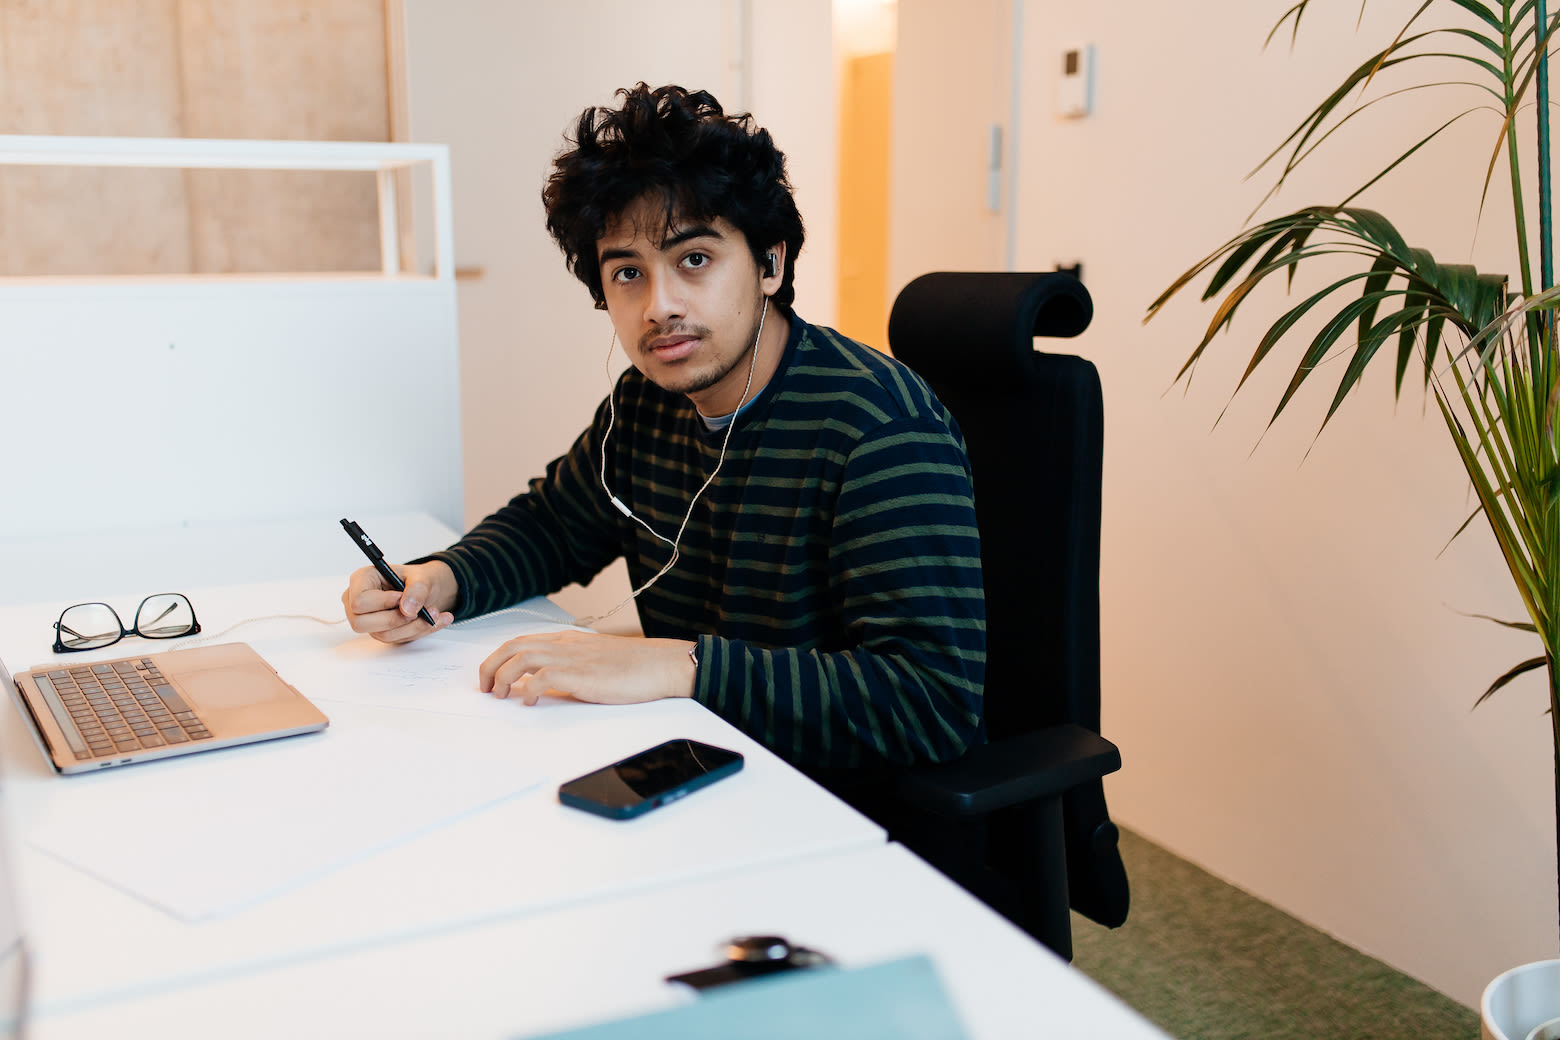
377 558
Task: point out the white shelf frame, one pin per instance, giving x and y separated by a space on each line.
383 159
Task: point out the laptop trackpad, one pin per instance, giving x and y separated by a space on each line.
225 687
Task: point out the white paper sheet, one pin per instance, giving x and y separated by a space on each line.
437 673
535 614
292 810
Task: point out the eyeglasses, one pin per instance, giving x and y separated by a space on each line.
88 626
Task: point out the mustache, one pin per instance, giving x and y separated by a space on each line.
676 328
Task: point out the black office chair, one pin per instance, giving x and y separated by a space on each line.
1021 822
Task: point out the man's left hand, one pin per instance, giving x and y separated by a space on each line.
589 667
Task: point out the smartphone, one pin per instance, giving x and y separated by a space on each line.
649 779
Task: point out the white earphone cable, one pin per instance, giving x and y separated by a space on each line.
626 511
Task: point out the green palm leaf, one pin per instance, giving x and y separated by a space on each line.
1431 293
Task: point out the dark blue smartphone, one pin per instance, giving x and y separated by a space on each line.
649 779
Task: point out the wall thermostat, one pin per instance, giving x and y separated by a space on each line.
1075 85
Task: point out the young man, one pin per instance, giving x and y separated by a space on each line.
794 508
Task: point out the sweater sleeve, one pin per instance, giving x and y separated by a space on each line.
563 529
905 578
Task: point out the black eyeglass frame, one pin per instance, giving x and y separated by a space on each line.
134 630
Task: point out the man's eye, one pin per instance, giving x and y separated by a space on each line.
696 260
625 274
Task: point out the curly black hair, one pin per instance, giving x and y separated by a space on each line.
682 146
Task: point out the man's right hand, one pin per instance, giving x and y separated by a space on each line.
390 616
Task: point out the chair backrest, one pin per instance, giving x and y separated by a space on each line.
1034 427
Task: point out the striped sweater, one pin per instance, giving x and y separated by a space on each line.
831 574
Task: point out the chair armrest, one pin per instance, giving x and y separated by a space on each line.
1011 772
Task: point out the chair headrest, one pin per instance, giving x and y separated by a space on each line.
964 327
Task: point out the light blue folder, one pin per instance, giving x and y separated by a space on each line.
896 1000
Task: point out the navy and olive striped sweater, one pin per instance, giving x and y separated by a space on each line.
831 574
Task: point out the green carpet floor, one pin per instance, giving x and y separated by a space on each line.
1206 961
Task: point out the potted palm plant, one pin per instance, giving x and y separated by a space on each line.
1483 348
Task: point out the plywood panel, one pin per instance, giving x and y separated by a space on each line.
87 67
246 221
285 69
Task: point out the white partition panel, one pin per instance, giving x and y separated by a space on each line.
164 404
160 404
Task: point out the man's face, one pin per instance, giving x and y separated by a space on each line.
685 301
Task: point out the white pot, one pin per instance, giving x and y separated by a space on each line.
1521 1000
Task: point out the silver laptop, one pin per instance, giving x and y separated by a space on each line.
94 714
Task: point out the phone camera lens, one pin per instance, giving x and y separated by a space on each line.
758 949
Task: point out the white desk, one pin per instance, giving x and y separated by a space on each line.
522 917
525 975
94 942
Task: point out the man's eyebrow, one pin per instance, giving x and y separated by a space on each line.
688 234
672 241
615 254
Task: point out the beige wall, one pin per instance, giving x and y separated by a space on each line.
796 95
950 86
1286 665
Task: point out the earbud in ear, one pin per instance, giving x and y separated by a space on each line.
769 265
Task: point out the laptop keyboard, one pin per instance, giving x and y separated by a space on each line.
118 707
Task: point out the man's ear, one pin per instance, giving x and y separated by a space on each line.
772 269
